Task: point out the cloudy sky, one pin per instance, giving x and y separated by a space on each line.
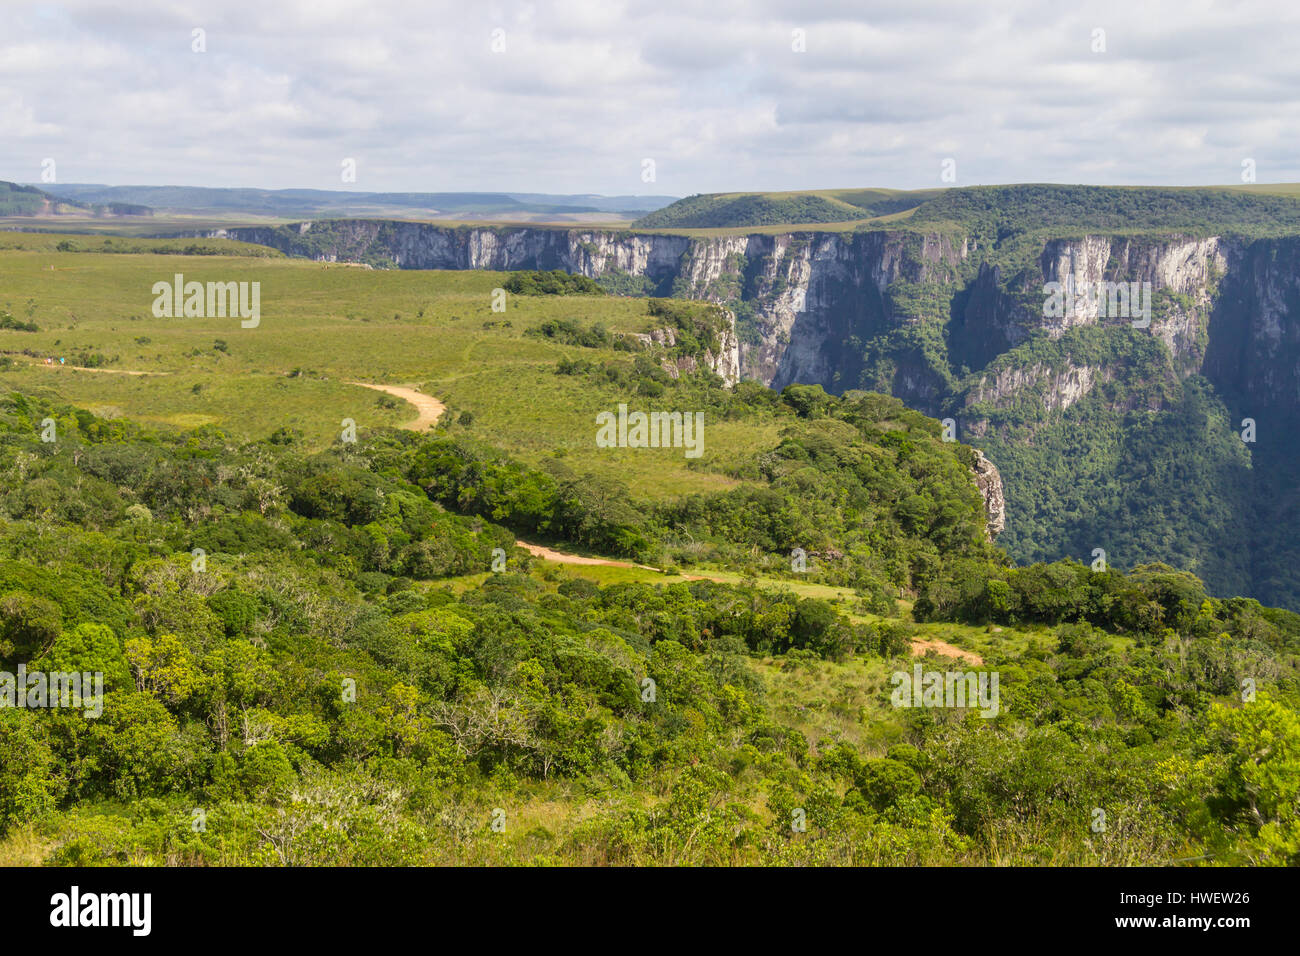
722 95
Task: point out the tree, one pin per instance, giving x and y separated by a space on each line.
884 782
29 626
265 773
31 782
91 648
1258 783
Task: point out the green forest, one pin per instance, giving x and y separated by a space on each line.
339 656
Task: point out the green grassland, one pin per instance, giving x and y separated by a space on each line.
70 241
135 226
322 327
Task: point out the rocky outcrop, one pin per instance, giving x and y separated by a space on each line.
989 481
725 364
1057 387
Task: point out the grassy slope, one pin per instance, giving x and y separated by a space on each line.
336 324
842 208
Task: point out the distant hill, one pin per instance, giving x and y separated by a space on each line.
322 203
16 200
1001 210
740 210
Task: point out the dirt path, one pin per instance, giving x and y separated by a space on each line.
105 371
429 408
538 551
919 647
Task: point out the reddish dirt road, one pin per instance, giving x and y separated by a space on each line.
919 647
549 554
428 407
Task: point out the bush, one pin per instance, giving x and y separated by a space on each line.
556 282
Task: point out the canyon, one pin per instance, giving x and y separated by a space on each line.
954 325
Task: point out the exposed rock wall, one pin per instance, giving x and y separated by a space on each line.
817 298
930 318
989 481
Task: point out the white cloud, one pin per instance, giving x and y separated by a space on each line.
585 90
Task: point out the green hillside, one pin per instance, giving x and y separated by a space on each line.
1001 210
18 200
740 210
312 652
29 201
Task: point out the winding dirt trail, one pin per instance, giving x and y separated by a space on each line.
549 554
920 646
429 408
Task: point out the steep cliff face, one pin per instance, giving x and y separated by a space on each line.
962 326
989 481
903 312
803 293
413 245
1253 341
1178 273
